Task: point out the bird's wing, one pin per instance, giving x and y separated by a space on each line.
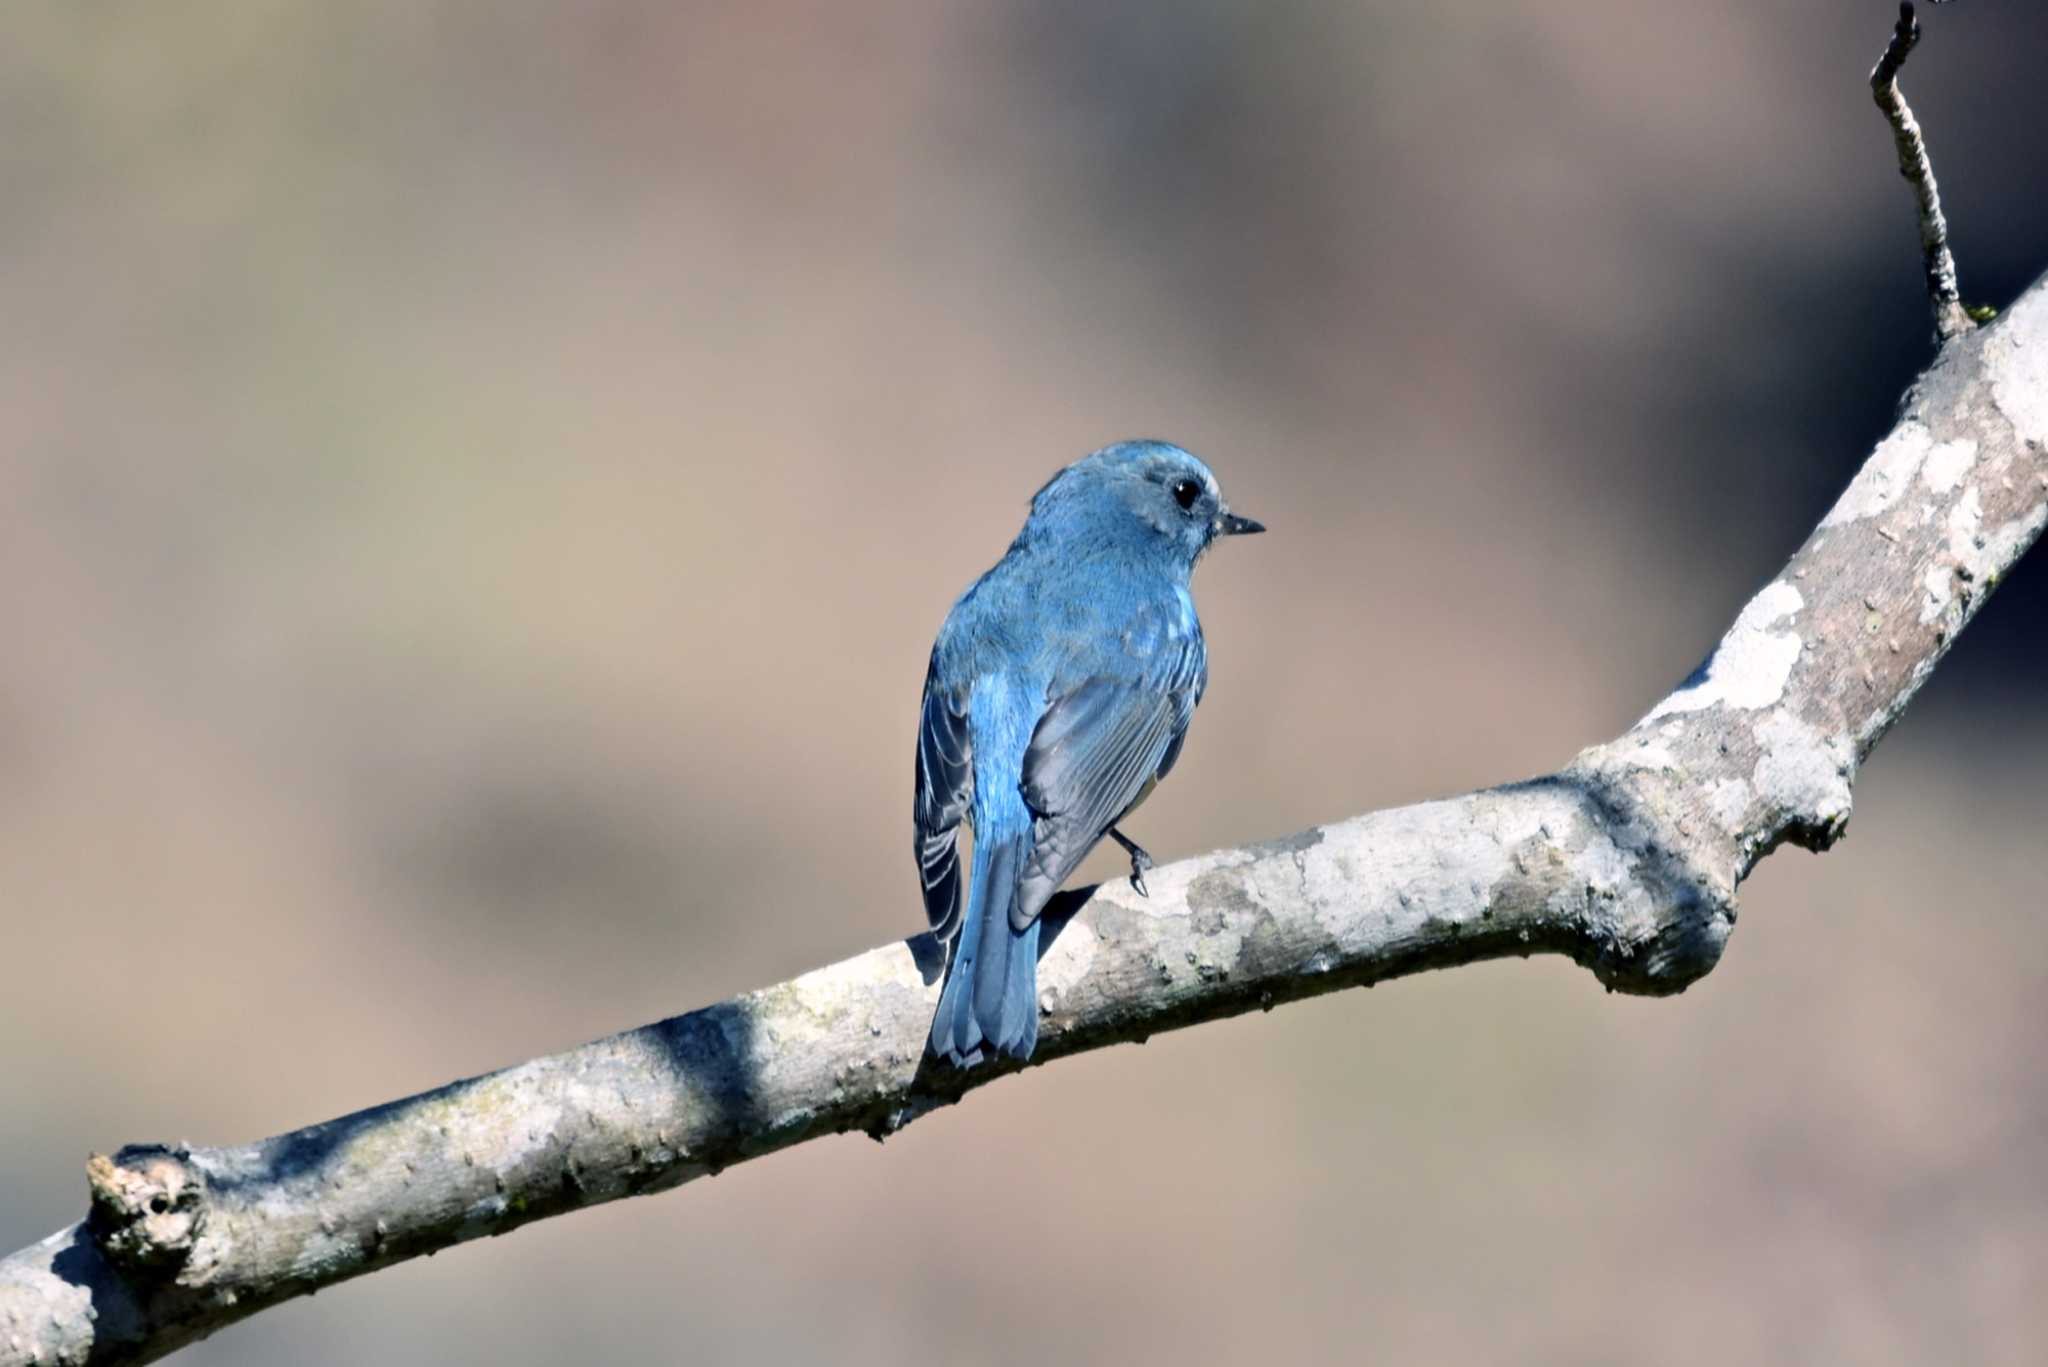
1096 751
945 785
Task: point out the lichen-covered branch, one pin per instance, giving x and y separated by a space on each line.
1950 317
1627 860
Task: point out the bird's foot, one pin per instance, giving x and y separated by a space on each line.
1140 860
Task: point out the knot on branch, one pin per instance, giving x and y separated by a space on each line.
1658 919
1672 943
148 1207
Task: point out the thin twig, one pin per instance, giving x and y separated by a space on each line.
1950 317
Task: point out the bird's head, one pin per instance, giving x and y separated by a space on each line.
1141 496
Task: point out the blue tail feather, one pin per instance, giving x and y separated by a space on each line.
991 992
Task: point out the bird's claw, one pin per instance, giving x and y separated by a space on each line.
1140 861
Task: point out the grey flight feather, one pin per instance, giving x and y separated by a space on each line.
945 787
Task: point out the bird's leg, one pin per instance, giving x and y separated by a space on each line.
1140 861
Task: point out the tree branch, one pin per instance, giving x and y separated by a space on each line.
1951 319
1626 860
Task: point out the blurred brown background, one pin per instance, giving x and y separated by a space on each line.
478 483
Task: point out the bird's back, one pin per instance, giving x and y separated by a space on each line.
1058 619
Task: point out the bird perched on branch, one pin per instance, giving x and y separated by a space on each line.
1059 693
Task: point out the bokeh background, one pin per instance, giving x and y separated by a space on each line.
478 482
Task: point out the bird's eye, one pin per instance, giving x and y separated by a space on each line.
1186 492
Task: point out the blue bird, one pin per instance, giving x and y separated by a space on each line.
1059 693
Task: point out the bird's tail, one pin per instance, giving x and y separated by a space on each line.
991 993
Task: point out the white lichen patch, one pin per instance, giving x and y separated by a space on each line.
1947 463
1984 554
1728 800
1887 475
1937 594
1606 890
1649 755
2016 355
1800 772
1602 866
1965 524
1753 661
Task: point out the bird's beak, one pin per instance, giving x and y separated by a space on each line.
1230 524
